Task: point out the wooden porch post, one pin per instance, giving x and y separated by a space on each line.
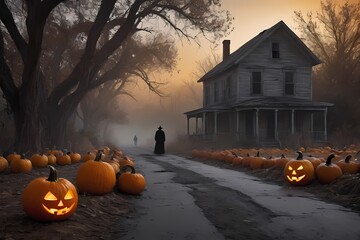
276 125
203 124
325 124
237 126
188 127
257 125
292 121
312 126
196 125
215 123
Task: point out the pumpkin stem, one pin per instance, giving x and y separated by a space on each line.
53 174
248 155
347 159
257 154
328 160
99 155
282 156
300 156
233 153
125 167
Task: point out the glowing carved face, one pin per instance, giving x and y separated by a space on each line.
57 206
299 172
294 175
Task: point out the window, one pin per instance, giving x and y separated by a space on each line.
275 50
256 83
216 92
289 83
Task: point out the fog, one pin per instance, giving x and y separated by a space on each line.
149 111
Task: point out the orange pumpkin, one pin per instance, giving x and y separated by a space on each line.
75 157
299 171
50 199
125 161
51 159
12 156
21 165
268 163
257 162
39 160
131 182
246 160
328 172
96 177
281 162
347 166
89 156
63 160
3 164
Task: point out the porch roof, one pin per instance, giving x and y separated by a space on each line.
280 102
208 109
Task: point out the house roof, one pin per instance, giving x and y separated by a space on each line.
234 58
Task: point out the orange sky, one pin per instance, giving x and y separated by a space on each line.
251 18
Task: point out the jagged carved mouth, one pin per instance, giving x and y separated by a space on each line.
294 178
58 212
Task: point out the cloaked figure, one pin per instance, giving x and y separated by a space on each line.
160 140
135 140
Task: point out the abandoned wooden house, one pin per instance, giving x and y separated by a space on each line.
261 93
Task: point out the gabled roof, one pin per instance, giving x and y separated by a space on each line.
234 58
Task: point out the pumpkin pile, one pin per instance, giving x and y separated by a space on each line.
55 199
301 167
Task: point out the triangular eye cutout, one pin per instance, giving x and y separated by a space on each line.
290 168
50 197
300 168
68 195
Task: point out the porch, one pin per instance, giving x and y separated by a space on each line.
261 125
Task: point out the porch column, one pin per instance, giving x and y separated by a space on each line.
215 123
312 126
292 121
188 127
203 124
257 125
196 125
237 126
276 125
325 124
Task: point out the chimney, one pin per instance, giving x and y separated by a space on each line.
226 49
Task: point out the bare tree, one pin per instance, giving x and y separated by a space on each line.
43 114
334 35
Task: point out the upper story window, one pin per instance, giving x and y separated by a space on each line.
216 92
256 83
275 50
289 86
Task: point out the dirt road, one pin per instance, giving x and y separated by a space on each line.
190 200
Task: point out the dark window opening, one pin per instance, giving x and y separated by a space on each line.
256 83
289 83
275 50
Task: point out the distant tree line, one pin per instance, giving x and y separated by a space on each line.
333 34
61 57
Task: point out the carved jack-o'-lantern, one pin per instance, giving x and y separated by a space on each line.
299 171
50 199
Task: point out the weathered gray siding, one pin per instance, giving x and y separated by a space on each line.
223 98
272 69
